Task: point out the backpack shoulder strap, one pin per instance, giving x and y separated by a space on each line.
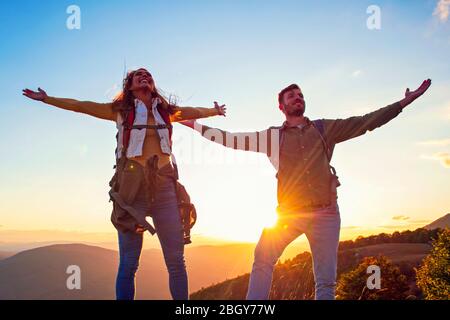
318 124
166 117
128 116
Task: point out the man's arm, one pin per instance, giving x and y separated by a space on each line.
340 130
98 110
344 129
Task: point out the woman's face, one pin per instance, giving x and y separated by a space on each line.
142 79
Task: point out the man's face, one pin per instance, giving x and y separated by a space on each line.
294 103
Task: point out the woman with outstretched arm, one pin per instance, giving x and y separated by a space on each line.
145 183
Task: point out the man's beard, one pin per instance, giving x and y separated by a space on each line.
297 113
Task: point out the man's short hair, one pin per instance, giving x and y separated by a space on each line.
288 88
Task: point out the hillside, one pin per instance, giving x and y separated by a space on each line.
6 254
293 279
40 273
443 222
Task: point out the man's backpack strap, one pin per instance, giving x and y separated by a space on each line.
318 124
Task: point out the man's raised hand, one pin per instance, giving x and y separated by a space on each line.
410 96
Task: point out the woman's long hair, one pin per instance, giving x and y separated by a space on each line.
124 101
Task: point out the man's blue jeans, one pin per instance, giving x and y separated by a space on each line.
322 230
167 222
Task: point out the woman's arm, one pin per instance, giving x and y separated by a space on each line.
191 113
98 110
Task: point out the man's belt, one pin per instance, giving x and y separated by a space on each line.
315 206
311 207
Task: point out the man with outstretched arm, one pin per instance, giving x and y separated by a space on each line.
301 152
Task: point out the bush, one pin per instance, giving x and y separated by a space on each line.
353 285
433 277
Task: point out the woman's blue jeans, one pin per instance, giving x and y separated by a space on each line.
167 222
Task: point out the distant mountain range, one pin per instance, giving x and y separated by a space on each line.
443 222
40 273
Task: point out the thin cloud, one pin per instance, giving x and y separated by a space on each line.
437 142
402 218
411 224
393 226
443 157
356 73
442 10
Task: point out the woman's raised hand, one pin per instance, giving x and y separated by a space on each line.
221 108
39 95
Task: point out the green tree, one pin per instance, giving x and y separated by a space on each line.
353 285
433 277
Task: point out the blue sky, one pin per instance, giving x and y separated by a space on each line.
56 164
